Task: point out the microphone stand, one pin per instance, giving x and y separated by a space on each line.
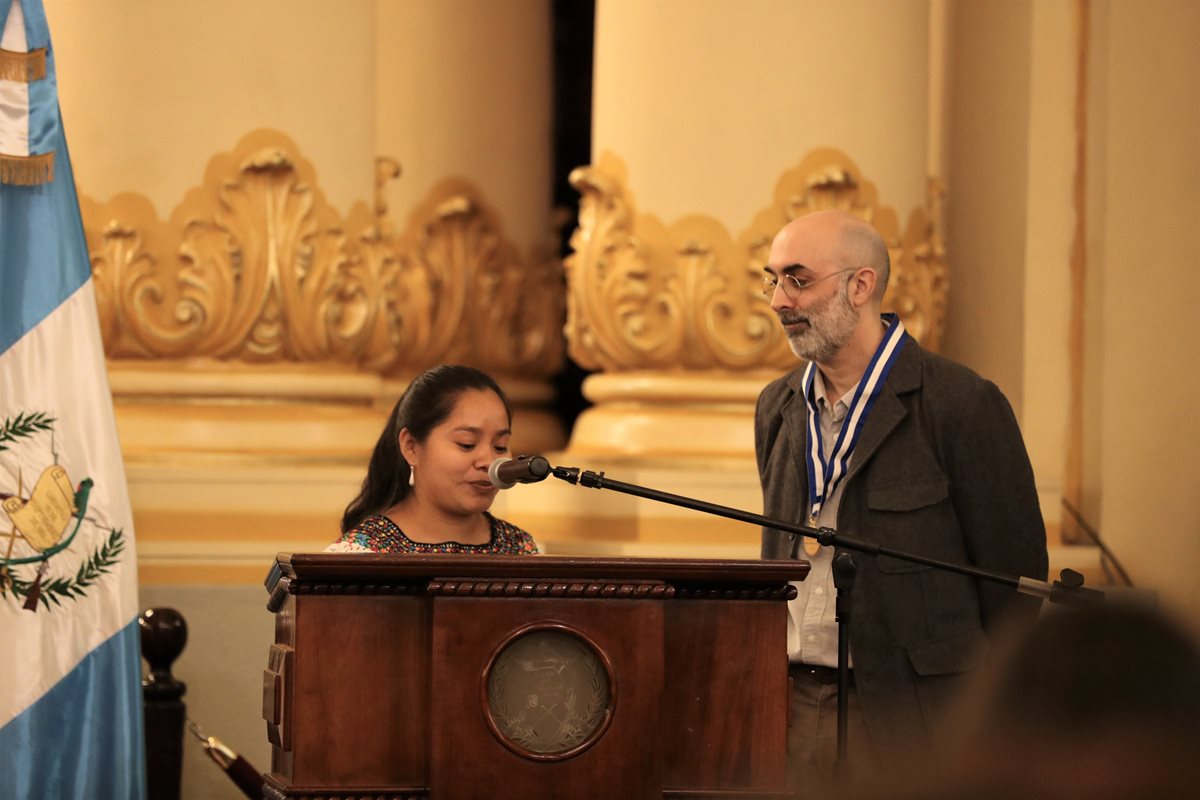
1069 590
843 581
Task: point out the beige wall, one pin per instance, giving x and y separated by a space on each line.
1011 214
988 95
464 89
710 101
1050 230
152 89
1010 221
1146 196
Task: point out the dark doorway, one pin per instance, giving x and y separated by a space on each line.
574 32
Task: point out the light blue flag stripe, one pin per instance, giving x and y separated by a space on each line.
40 225
44 127
5 9
88 740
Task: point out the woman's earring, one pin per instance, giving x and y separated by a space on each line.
412 475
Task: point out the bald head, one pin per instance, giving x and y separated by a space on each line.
843 240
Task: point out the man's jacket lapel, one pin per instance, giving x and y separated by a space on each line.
888 410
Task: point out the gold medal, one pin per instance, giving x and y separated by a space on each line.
811 546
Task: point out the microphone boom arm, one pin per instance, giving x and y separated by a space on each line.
1069 590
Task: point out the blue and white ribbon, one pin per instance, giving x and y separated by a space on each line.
824 476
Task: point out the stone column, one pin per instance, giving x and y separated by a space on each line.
715 123
462 107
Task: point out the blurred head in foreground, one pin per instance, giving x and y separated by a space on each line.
1098 703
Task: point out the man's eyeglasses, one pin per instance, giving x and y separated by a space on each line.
793 286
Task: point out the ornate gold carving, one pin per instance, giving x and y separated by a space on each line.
454 290
645 296
256 267
677 303
920 281
386 171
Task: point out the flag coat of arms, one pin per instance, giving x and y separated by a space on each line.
70 692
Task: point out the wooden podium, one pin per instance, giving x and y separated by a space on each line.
449 677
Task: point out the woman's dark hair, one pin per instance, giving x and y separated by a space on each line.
425 404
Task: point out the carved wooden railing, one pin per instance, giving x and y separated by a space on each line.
164 634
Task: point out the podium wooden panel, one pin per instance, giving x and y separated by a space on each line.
377 684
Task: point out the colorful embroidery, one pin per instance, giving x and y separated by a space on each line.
378 534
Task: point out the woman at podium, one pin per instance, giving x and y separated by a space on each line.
427 488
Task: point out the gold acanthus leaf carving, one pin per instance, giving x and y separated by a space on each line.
642 295
257 278
833 187
271 282
456 291
605 258
256 267
387 327
676 304
920 280
144 313
122 261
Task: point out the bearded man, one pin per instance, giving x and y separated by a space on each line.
880 439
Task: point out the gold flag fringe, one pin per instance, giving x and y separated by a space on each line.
27 170
23 67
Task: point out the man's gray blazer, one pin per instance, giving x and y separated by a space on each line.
940 470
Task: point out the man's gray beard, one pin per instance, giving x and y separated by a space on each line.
830 326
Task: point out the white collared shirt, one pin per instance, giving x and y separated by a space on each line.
812 620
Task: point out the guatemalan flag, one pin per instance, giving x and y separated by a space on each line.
70 693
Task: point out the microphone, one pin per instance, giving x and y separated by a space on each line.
505 473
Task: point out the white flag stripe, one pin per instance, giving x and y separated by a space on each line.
58 367
14 95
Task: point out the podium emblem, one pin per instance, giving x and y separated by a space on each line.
549 693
